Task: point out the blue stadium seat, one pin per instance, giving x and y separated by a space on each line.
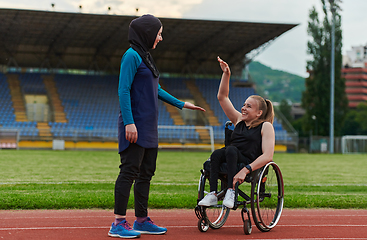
91 105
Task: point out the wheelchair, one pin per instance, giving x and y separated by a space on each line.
266 197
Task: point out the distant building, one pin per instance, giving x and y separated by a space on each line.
297 111
355 73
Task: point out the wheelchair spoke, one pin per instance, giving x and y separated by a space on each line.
268 198
214 216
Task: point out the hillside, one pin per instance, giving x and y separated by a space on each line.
275 84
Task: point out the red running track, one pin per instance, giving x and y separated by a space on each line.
181 224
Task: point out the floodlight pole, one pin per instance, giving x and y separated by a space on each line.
332 77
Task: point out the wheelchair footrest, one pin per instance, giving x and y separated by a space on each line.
198 212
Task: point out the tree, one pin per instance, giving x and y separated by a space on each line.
351 126
316 97
285 108
361 117
356 121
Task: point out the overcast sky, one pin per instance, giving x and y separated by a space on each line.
288 52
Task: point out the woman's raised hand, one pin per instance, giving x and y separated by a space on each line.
224 66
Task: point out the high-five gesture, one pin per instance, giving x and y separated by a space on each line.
224 66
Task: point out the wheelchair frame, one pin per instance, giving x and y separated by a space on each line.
266 200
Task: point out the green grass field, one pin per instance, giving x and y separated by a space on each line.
32 179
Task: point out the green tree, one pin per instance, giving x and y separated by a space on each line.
298 126
351 126
361 117
356 121
316 97
285 108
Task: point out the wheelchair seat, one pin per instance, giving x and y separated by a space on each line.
223 170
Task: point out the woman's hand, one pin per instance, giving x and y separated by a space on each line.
131 133
224 66
239 177
191 106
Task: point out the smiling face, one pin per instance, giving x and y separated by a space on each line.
158 38
250 110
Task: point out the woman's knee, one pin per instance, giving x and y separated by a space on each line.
217 156
128 174
231 155
231 151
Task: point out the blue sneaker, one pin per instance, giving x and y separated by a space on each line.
148 227
123 230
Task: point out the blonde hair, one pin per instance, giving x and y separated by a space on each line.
266 106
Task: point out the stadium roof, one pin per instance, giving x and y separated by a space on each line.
47 39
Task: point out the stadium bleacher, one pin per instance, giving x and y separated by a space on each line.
91 106
32 83
176 87
6 107
7 115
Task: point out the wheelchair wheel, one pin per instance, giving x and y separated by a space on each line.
202 225
216 215
247 228
267 194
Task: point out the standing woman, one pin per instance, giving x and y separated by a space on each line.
252 141
139 92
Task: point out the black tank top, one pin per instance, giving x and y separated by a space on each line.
248 141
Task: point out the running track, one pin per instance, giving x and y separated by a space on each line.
181 224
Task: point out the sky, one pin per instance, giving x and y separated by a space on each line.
287 53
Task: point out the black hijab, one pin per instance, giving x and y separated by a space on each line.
142 34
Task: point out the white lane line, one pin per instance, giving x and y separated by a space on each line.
62 217
305 225
173 226
48 228
324 238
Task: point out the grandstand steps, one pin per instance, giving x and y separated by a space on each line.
55 102
44 130
200 101
174 114
203 135
17 98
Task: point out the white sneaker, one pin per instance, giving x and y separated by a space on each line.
209 200
228 200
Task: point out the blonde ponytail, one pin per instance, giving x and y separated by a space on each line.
266 106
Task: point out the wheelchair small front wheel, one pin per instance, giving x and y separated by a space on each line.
203 226
267 197
247 228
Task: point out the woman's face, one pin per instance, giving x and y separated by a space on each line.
250 110
158 38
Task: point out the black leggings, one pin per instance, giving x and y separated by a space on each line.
232 156
137 164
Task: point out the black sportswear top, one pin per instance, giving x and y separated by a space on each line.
247 140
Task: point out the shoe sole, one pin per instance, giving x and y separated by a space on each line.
119 236
208 205
153 233
228 205
205 205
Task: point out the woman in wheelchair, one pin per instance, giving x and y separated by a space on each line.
252 141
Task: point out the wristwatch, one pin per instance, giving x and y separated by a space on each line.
249 167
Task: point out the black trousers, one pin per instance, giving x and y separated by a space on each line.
232 156
138 165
